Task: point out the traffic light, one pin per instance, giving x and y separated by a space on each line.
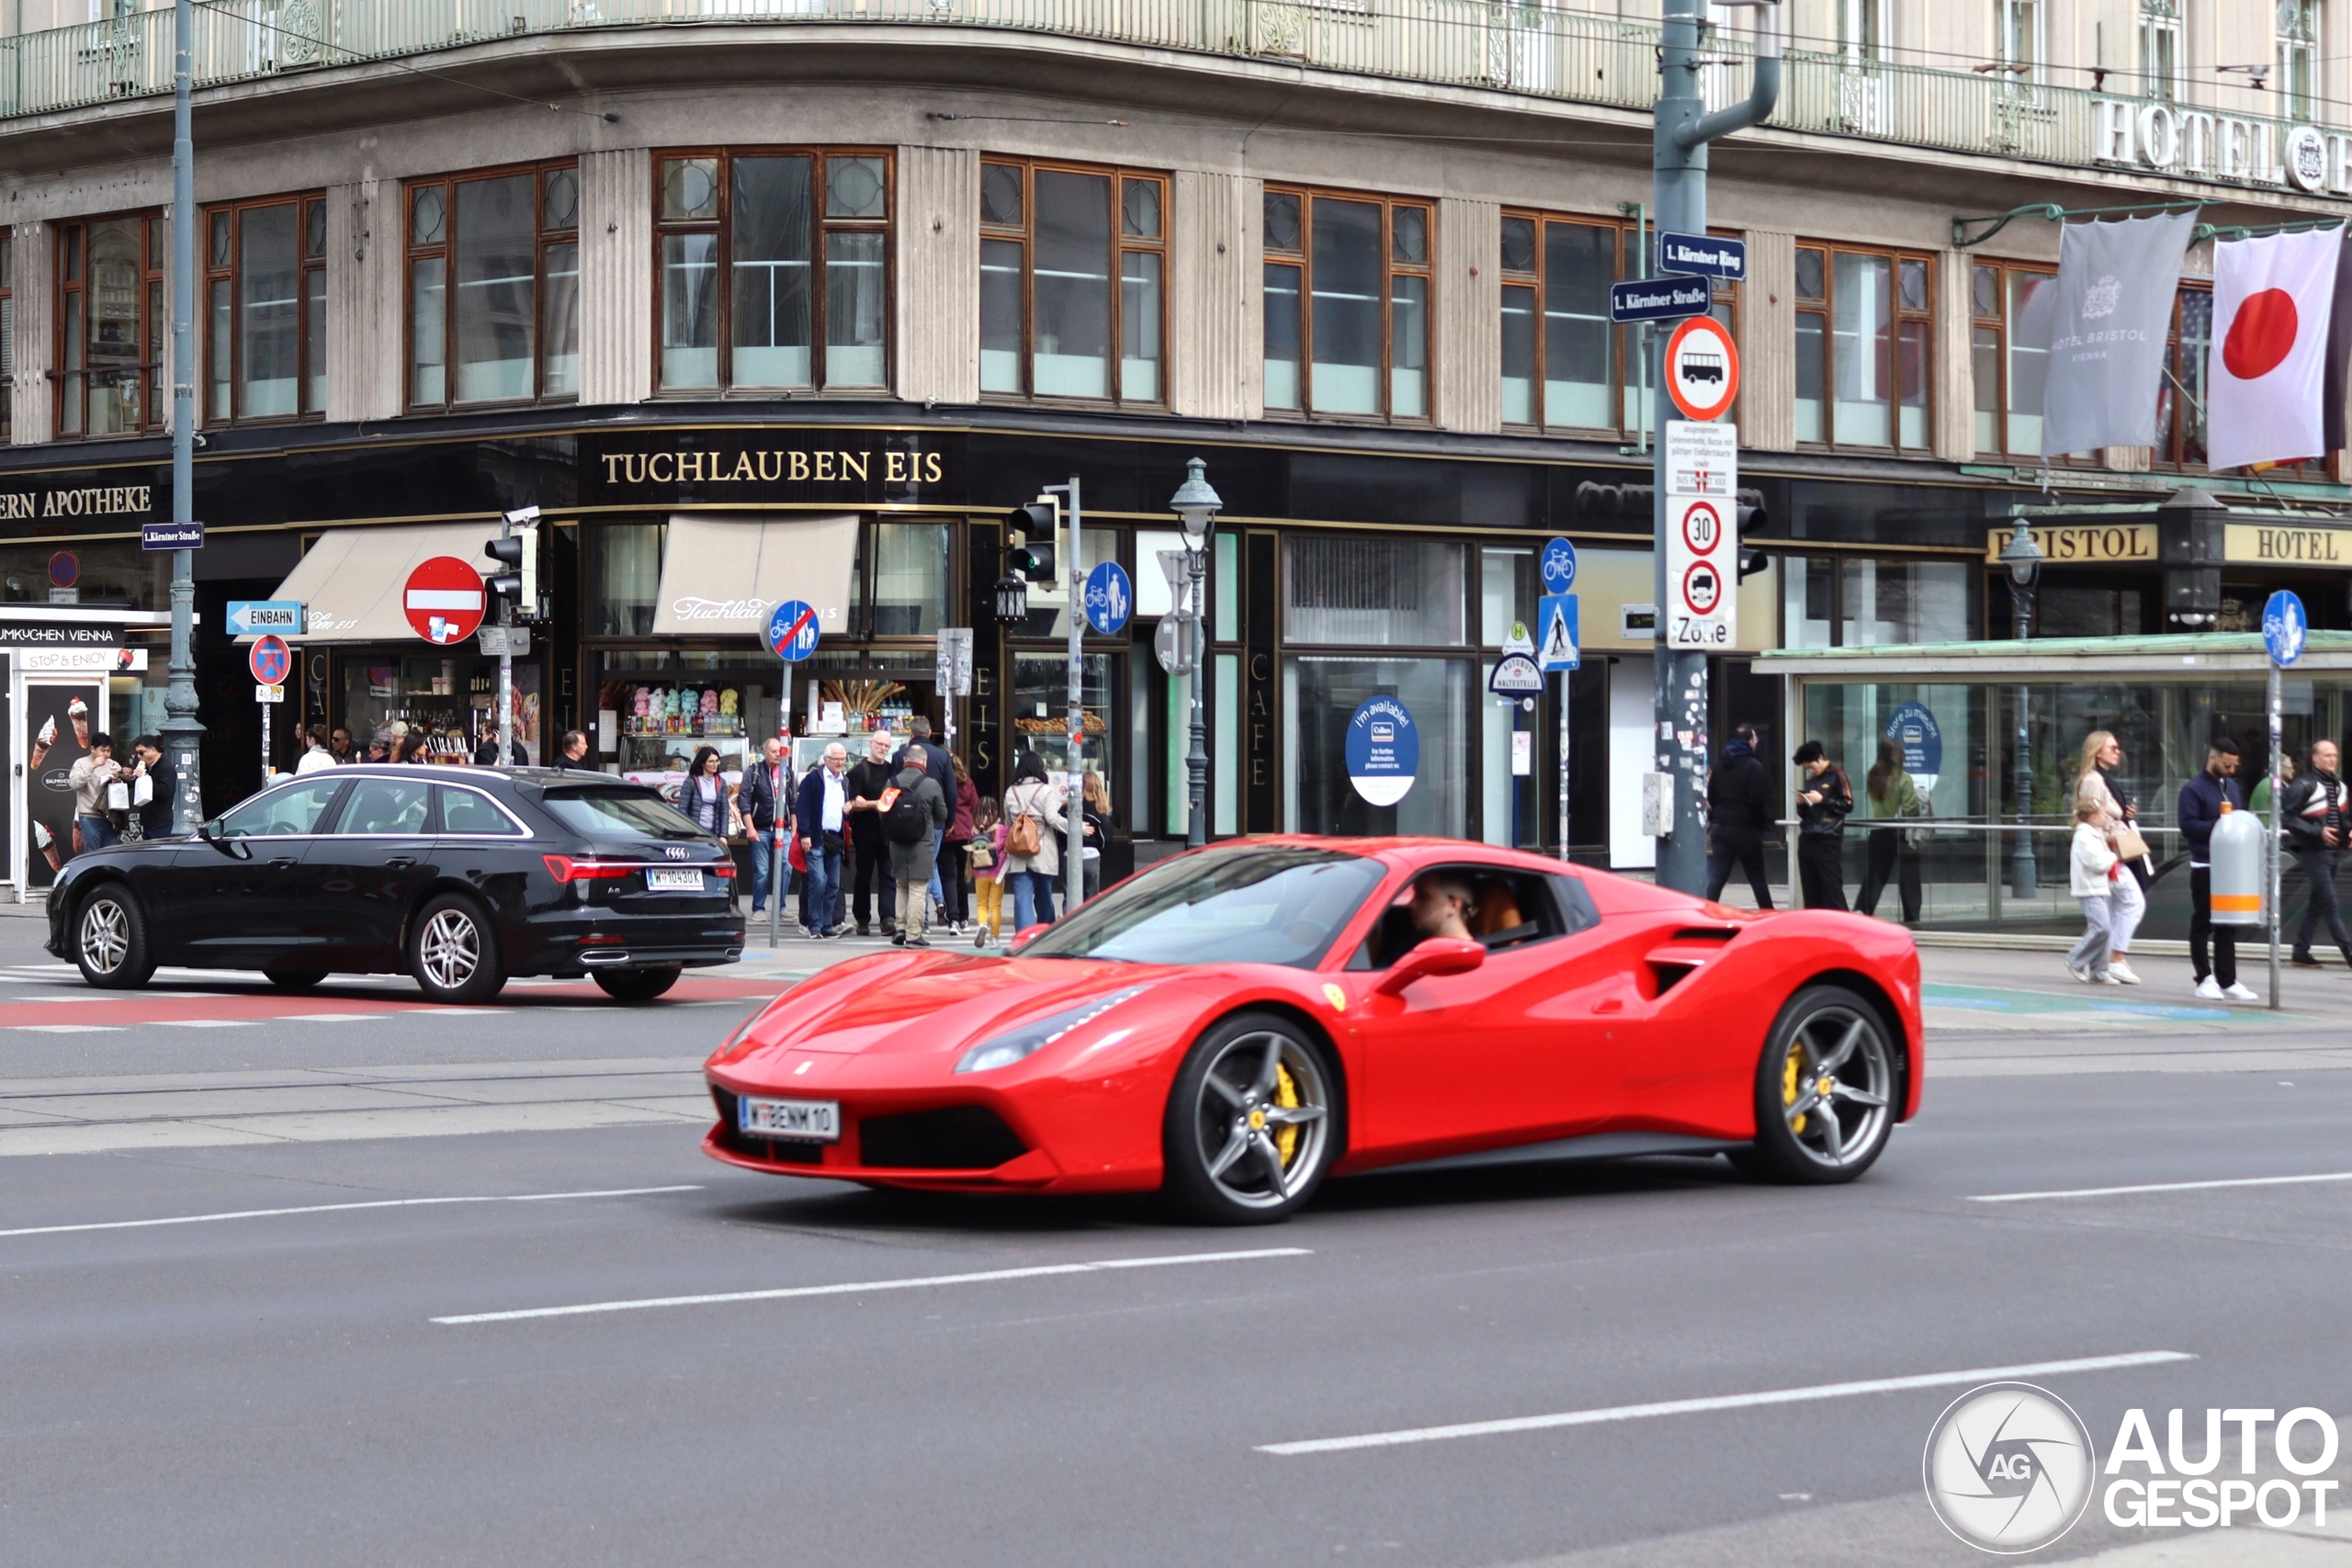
1751 521
518 553
1029 539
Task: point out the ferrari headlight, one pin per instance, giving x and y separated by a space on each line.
1031 1038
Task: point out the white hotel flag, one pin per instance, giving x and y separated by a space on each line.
2271 303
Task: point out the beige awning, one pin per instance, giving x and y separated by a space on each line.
352 577
722 574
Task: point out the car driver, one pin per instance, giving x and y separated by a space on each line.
1442 904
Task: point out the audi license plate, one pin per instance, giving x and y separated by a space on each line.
672 880
809 1119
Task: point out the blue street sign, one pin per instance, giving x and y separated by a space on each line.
171 536
1559 566
792 631
1556 640
1384 750
247 618
2283 625
1110 598
271 660
1660 298
1702 253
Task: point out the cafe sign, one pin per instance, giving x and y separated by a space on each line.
2276 544
722 467
2082 544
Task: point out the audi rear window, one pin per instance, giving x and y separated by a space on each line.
598 811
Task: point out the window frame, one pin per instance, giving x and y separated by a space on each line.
2298 47
1999 325
446 250
2161 19
71 384
2027 45
1390 270
1898 315
231 273
722 229
2174 415
1025 234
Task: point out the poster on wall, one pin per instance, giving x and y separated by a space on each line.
57 724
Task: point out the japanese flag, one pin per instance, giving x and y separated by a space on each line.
2271 303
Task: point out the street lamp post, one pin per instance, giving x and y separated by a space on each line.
2023 557
1196 505
181 732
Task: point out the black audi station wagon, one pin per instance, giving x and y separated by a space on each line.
457 877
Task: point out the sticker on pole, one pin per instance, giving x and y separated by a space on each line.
792 631
2283 625
1702 367
272 661
1110 598
443 599
1384 750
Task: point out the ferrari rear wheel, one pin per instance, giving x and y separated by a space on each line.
1824 1091
1252 1123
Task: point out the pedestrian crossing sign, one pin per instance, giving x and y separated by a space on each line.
1556 647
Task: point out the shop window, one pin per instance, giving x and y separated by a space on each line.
1347 305
2180 398
1377 592
2011 308
625 576
493 278
110 326
657 708
1864 322
1049 603
265 310
1041 708
1321 693
910 579
1053 321
775 269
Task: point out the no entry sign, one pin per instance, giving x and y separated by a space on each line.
272 661
444 600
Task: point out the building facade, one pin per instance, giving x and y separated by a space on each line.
806 294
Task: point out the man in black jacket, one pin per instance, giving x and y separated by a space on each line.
1823 801
766 799
2201 799
155 818
870 879
2314 813
1739 813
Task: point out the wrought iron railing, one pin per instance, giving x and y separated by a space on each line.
1562 55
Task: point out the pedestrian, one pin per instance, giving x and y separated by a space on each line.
89 777
914 810
1892 794
318 755
2094 873
572 753
379 752
2259 801
1034 828
486 754
1095 798
2095 782
2202 801
2315 812
1822 807
341 745
954 854
764 798
161 782
941 769
819 816
1739 813
986 851
875 890
704 797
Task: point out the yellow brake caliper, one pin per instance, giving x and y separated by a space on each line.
1791 1072
1285 1093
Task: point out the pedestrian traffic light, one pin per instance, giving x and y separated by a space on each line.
1752 520
1029 539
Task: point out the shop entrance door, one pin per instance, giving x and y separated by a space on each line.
54 718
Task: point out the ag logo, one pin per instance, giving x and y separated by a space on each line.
2010 1468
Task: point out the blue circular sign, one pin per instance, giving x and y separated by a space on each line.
1110 598
1559 566
2283 625
792 631
272 661
1384 750
1915 728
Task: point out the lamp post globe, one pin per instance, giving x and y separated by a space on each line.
1196 505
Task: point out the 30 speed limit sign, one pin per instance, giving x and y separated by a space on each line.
1701 539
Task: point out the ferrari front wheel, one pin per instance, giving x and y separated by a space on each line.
1824 1091
1252 1123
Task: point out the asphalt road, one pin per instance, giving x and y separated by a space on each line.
273 1376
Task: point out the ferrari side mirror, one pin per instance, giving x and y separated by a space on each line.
1434 956
1026 935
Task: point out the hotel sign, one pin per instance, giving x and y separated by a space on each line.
2082 544
2177 139
847 466
2279 544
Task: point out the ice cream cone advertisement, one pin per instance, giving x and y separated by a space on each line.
42 742
78 712
58 720
46 842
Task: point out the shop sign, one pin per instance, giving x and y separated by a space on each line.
836 465
2175 140
2272 544
2081 544
81 501
50 634
1384 750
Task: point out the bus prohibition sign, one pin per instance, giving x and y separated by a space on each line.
1702 367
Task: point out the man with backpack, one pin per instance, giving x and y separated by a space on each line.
913 810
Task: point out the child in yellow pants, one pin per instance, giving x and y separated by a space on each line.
987 869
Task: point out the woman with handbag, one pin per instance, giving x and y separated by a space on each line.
1034 829
1891 793
2095 785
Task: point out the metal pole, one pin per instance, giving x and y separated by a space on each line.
776 824
1197 760
266 769
506 685
1073 808
1678 203
2275 851
1565 676
182 734
2024 874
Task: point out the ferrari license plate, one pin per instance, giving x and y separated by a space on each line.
672 881
813 1118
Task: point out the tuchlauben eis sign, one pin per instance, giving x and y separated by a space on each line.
847 466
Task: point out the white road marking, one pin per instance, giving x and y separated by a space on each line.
339 1208
2166 1186
1719 1402
865 1287
329 1017
67 1028
205 1022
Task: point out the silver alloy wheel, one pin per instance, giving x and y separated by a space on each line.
1837 1085
450 948
106 935
1263 1119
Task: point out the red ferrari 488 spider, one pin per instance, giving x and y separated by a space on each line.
1234 1024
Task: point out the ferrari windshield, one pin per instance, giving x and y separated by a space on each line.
1272 905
